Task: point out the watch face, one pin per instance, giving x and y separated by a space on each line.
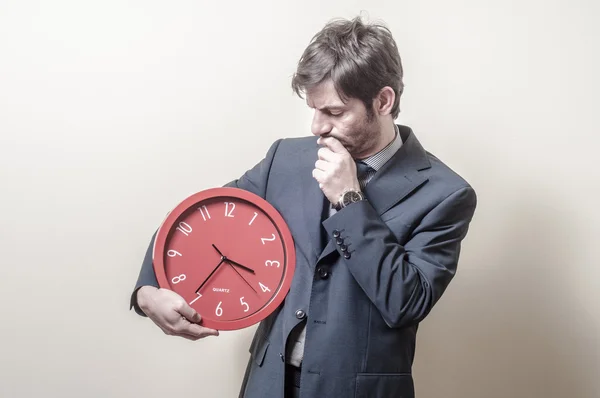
351 197
229 254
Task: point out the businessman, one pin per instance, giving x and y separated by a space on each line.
377 222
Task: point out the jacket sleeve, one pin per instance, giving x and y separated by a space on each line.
404 281
254 180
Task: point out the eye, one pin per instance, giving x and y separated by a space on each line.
335 114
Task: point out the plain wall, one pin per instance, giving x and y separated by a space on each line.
112 112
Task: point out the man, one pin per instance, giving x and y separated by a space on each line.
377 223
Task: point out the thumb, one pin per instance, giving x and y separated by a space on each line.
190 314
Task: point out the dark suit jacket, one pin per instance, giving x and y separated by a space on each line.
362 309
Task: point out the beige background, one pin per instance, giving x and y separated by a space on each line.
111 112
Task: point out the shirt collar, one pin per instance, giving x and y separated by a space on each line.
380 158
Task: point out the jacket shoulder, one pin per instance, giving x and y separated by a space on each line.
444 177
298 143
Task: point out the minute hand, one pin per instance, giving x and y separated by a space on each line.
247 283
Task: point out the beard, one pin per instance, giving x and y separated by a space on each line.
361 137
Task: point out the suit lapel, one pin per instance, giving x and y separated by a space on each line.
400 176
397 179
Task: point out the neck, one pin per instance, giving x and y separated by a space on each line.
388 133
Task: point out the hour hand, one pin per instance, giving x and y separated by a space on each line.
231 261
218 251
241 266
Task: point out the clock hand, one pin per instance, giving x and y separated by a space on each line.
231 261
240 265
218 251
223 258
236 271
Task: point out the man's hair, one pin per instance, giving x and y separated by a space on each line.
359 58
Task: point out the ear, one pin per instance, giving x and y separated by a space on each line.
384 101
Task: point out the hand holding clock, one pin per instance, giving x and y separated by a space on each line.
191 258
169 311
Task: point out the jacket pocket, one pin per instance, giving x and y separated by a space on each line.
384 385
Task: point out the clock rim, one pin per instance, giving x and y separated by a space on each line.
160 241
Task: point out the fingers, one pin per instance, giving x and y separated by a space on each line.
197 330
183 328
175 317
188 324
326 154
320 176
192 331
322 165
191 336
189 313
335 169
333 144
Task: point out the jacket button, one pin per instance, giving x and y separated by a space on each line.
300 314
343 248
339 241
281 356
347 255
336 233
323 273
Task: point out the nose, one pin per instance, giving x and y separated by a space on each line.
320 124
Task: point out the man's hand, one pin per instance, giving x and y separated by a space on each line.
335 169
171 313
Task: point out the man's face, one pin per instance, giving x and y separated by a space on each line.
349 123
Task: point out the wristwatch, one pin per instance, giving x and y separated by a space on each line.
348 197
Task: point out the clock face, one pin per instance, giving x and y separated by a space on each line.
229 254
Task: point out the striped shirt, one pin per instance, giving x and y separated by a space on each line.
376 162
380 158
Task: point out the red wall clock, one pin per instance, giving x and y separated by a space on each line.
229 254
